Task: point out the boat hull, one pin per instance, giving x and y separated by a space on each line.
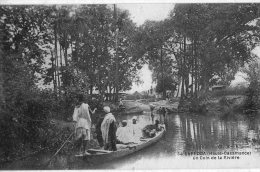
101 157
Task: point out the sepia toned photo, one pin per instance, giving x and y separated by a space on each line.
135 86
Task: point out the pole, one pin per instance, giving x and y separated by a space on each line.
60 147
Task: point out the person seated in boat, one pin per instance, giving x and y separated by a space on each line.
82 119
122 133
150 130
136 131
108 129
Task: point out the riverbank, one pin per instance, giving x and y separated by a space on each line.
222 106
215 106
225 105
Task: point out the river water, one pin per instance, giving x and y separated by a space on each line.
210 138
187 133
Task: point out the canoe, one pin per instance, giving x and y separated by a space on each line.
98 155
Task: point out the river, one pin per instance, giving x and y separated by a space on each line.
188 134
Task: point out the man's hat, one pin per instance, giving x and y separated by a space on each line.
134 118
106 109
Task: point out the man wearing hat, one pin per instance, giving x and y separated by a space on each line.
108 129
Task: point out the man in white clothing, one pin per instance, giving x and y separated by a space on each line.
136 131
123 132
82 119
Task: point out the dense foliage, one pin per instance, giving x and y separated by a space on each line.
49 55
253 93
204 43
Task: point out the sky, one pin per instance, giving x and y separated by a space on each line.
139 13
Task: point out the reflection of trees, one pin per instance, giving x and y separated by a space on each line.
204 132
192 133
178 140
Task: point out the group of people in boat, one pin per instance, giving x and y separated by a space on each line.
108 134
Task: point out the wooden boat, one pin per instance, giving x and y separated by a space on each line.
98 155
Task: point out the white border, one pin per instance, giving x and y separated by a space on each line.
44 2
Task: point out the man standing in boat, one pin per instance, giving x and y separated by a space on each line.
108 129
81 117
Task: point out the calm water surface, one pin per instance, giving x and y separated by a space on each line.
188 133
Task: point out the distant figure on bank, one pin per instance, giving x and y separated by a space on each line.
121 104
152 108
164 114
81 117
122 133
136 131
108 129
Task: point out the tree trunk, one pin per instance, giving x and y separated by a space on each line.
91 89
54 74
186 69
162 72
66 56
110 93
178 91
56 57
192 69
117 60
60 56
2 96
196 68
182 73
57 70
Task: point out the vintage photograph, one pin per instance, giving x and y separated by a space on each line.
138 86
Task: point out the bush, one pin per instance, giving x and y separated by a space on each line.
26 121
229 92
252 101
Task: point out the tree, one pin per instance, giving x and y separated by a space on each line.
169 84
2 97
221 38
154 36
253 93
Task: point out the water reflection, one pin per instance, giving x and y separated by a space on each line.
188 132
